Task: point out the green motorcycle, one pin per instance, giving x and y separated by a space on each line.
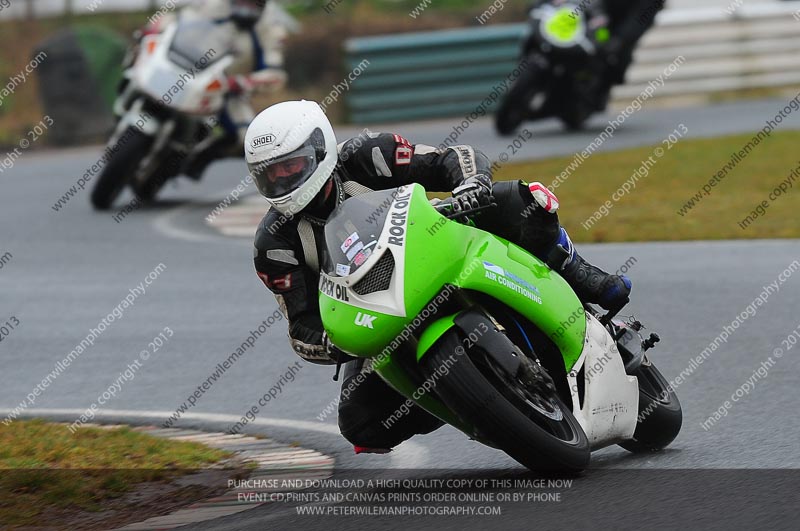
486 337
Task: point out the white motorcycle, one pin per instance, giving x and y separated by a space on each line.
168 109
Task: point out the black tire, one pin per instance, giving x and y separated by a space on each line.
578 105
475 396
660 412
120 168
575 120
146 190
515 106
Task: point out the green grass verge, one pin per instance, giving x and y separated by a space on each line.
650 211
43 466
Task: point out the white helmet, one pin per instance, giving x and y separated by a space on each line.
290 149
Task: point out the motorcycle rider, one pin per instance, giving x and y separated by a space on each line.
258 61
292 154
629 20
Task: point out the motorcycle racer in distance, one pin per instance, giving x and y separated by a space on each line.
629 21
257 40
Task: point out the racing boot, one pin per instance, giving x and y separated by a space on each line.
591 284
373 416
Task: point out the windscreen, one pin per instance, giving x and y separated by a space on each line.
352 231
197 44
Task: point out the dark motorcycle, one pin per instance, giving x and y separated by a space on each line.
564 78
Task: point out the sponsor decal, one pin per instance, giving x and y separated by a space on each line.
283 282
264 278
332 289
365 319
361 257
342 270
353 238
494 268
402 156
351 253
277 283
263 140
616 407
511 281
467 159
403 152
398 216
522 282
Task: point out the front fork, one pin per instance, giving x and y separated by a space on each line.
132 114
152 161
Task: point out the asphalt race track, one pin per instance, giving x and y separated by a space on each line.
69 269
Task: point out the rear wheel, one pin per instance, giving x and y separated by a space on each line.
515 107
660 414
522 415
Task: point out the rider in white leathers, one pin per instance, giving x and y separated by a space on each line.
257 46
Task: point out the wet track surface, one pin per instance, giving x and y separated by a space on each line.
70 269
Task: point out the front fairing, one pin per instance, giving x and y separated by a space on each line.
429 252
568 29
186 77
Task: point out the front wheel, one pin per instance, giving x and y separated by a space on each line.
575 118
147 185
131 148
515 106
660 415
534 428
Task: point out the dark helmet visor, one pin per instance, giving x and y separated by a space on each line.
247 11
283 175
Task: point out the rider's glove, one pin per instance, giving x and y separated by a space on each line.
473 193
334 352
268 79
238 84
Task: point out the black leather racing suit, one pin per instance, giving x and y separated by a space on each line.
630 19
382 161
